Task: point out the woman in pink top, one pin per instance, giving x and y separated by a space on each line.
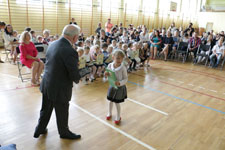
108 26
29 57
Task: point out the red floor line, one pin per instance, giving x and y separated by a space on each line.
185 88
195 71
17 88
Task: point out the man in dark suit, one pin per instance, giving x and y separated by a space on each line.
61 70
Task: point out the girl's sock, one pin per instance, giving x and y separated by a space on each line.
118 111
110 109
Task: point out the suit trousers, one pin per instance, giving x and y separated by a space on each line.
61 111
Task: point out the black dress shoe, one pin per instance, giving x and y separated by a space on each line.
1 61
36 135
71 136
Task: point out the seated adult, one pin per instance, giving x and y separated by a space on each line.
208 42
29 57
194 42
189 29
155 44
176 40
168 42
144 36
2 26
218 54
172 28
9 41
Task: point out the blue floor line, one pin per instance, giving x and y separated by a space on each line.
185 100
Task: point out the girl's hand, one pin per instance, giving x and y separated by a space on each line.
107 74
117 83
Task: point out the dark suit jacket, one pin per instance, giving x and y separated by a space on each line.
61 70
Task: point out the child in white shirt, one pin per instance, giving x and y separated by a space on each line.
119 94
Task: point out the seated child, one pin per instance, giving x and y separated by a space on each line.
114 45
126 60
109 57
15 44
39 39
98 57
83 70
120 44
89 63
145 55
130 54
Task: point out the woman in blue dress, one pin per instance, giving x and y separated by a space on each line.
155 44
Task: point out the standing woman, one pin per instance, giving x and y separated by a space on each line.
155 44
29 57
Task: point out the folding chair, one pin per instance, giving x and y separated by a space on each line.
204 48
182 50
42 48
222 64
6 52
22 76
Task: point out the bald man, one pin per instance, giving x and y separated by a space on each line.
61 70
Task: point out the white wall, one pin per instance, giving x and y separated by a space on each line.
218 19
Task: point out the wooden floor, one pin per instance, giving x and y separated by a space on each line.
172 106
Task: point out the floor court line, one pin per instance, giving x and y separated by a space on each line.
146 106
184 88
114 128
17 88
195 72
182 99
9 75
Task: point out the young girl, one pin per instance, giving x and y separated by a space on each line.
118 95
82 65
114 45
126 61
109 57
96 56
130 54
15 43
144 55
89 63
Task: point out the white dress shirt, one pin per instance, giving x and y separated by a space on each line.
120 72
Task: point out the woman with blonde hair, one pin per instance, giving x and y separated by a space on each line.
29 57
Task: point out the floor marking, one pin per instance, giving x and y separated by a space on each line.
17 88
182 99
161 76
114 128
9 75
180 81
149 107
201 87
176 142
171 79
213 91
219 98
191 84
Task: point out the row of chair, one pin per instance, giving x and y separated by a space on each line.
183 53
